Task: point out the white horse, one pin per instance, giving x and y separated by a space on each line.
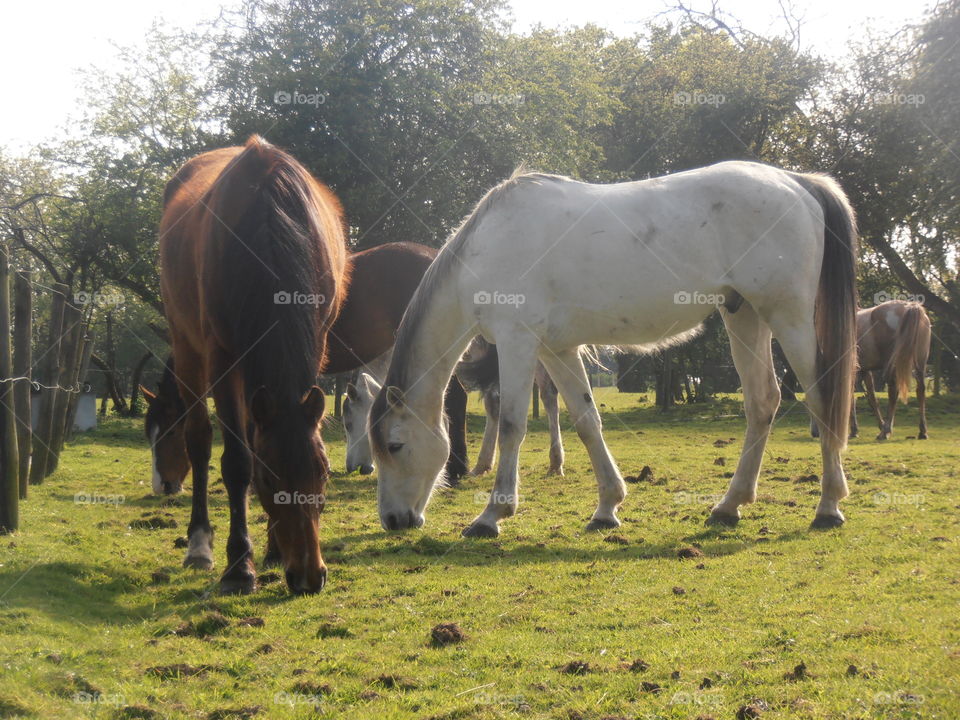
477 370
545 264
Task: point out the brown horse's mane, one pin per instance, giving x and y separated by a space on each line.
269 243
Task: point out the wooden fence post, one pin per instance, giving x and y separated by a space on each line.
51 357
9 463
22 367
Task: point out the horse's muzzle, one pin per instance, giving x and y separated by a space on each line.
401 521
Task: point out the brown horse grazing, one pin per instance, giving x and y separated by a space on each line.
893 339
383 279
253 273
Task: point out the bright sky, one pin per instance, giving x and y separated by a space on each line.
42 44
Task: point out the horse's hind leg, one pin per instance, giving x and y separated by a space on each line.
567 371
550 397
854 428
517 362
799 342
198 436
871 392
922 401
893 395
753 357
488 447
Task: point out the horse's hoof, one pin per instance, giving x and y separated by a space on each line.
883 436
239 583
922 436
478 471
826 522
198 562
602 524
480 530
555 471
718 517
272 560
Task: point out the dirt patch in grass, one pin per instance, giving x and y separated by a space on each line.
446 634
576 667
688 553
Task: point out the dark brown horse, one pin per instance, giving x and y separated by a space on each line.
893 340
382 280
253 273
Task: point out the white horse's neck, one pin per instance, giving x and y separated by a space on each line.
435 347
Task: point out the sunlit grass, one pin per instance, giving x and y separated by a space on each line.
93 614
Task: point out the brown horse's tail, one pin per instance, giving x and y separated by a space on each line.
835 314
906 350
273 273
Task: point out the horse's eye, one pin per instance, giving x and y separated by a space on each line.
394 447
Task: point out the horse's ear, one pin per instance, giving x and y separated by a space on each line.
352 392
147 395
263 406
395 397
313 404
373 387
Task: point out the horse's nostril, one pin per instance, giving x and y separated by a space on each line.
391 522
366 469
166 487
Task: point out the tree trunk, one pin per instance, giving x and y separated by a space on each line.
41 438
22 367
134 410
69 360
119 404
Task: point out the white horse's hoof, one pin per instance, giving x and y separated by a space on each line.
826 522
602 524
480 530
724 519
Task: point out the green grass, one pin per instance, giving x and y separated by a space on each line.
81 613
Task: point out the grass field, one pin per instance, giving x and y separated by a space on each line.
99 619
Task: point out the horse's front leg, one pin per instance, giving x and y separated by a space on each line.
198 436
455 404
567 371
236 464
517 363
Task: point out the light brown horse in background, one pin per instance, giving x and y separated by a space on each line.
893 339
253 273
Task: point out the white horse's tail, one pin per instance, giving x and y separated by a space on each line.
835 313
